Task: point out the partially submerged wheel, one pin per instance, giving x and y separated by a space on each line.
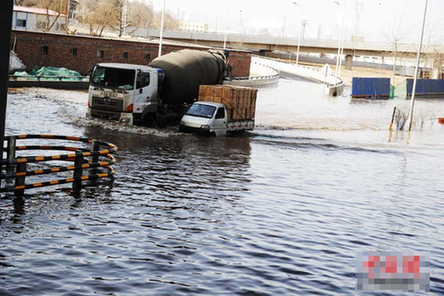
150 121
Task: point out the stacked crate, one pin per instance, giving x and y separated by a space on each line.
240 101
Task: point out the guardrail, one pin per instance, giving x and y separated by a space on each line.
256 80
82 158
313 73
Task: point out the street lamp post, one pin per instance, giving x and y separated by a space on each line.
161 28
418 59
341 44
300 32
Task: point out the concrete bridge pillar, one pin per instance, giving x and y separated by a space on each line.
437 69
348 62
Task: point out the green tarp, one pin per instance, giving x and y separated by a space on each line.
50 73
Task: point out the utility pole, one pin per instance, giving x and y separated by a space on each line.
359 7
217 20
300 32
283 26
5 40
240 22
340 49
161 28
304 24
67 16
226 25
124 16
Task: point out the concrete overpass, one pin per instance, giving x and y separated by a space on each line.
283 44
270 43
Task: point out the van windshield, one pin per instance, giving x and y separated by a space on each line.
200 110
113 78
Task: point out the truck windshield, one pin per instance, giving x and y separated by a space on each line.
113 78
200 110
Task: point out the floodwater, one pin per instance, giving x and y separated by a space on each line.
278 211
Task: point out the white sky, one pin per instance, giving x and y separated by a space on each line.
324 17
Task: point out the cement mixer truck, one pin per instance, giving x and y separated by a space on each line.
153 95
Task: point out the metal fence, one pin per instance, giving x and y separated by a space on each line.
82 159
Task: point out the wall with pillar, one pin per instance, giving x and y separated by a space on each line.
81 53
348 62
437 69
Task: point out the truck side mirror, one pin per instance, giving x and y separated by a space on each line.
140 90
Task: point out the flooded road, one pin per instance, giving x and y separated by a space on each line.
279 211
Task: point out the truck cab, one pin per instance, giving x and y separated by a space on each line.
205 118
124 92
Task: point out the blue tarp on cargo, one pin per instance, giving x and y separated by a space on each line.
370 87
426 87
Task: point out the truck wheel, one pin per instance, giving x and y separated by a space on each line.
161 122
150 121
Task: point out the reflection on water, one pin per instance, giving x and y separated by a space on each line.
276 211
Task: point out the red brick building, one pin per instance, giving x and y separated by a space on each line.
81 53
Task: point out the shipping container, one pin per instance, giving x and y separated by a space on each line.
370 87
426 88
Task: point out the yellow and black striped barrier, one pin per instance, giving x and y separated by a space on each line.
16 166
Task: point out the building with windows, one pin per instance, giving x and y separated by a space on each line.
73 9
38 19
193 27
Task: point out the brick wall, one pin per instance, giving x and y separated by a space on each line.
80 53
239 63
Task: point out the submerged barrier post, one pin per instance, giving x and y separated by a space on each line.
77 184
11 156
20 181
95 158
94 148
393 118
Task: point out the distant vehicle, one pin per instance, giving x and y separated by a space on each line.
221 110
153 95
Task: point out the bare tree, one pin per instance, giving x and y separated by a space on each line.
131 14
170 23
98 15
114 14
25 2
140 14
398 33
401 117
120 21
434 48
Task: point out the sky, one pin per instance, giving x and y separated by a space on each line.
378 21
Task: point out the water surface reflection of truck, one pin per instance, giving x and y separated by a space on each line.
221 109
153 95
